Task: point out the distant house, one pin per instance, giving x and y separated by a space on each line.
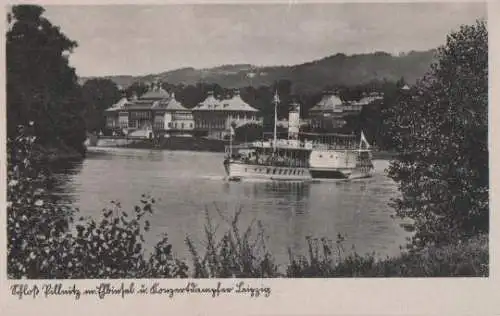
156 112
214 117
331 111
328 113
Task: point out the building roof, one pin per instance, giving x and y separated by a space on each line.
237 104
232 104
210 103
155 93
329 103
174 105
118 105
156 99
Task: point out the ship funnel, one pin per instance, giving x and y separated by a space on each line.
294 121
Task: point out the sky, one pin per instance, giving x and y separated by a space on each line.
138 39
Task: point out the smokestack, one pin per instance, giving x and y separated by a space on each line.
294 121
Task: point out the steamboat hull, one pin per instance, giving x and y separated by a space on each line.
330 174
356 173
237 171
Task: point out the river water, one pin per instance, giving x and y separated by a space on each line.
185 184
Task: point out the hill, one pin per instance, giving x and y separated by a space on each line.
337 69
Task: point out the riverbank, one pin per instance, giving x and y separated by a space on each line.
170 143
465 259
190 144
468 258
55 152
324 259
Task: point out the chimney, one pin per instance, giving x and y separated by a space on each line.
294 120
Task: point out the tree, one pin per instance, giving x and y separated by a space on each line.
99 94
137 89
41 86
441 134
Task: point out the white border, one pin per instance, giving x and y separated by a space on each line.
291 296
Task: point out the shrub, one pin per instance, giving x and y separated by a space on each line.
467 259
234 254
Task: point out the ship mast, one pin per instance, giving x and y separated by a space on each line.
276 100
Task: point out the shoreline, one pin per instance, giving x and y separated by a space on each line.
196 144
56 153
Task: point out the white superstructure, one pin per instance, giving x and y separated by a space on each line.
340 157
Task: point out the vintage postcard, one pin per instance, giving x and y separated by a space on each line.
202 158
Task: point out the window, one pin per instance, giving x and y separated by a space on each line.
169 124
190 125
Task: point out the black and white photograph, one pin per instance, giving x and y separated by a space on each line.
247 141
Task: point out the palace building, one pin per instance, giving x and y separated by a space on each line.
156 112
214 118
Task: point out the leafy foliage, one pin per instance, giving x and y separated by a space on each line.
331 260
441 132
234 254
98 95
41 86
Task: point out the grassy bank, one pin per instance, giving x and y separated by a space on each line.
467 259
243 254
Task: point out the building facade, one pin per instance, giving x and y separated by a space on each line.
213 117
155 112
